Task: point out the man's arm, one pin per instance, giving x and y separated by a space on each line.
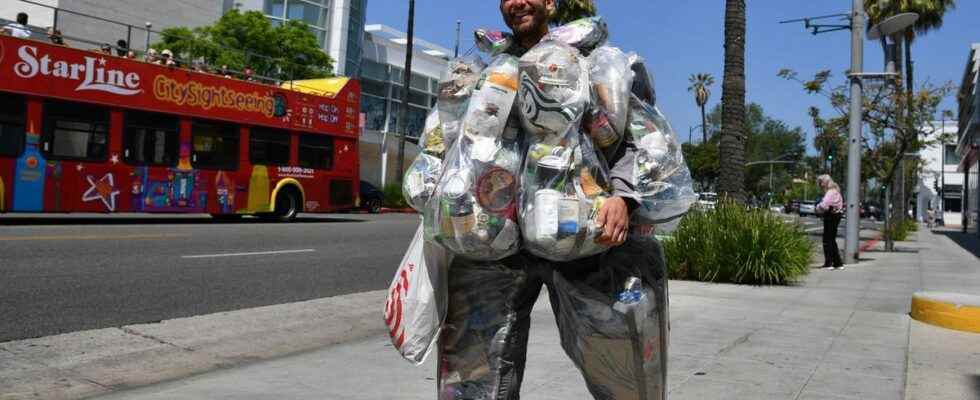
615 212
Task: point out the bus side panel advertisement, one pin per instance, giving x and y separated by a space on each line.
44 69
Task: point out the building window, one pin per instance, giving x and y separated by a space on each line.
151 139
374 88
416 119
312 14
13 108
275 8
268 146
215 145
316 151
374 112
953 205
75 131
952 158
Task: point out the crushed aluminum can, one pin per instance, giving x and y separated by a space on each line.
584 34
493 42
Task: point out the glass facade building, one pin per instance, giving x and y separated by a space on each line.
337 24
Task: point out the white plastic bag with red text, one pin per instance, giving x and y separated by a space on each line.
417 298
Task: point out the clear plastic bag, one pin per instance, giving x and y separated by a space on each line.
423 174
455 90
473 210
493 43
614 324
584 34
554 91
612 81
565 180
662 181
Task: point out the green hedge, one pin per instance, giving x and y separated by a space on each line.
737 245
393 196
900 231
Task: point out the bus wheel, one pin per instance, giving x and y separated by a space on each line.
226 217
287 205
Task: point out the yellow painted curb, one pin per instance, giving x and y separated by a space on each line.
948 310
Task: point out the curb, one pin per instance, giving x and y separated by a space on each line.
949 310
398 211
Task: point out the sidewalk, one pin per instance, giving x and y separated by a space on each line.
840 335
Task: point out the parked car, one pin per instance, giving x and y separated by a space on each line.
870 209
808 207
776 208
793 207
371 198
707 200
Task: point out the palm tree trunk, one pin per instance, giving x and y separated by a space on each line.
704 126
732 147
406 89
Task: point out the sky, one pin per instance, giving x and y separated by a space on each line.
679 38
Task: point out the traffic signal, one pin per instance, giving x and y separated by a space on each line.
830 157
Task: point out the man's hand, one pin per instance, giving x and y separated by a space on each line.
614 217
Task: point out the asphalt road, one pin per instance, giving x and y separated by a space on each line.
63 274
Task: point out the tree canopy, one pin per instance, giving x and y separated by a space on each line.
238 40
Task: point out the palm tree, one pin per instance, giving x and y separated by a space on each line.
732 146
406 84
931 13
699 85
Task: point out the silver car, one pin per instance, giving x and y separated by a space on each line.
808 208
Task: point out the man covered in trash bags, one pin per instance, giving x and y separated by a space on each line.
532 168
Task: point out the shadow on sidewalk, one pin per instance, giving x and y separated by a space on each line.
967 241
975 382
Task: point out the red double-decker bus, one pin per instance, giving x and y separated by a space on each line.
82 131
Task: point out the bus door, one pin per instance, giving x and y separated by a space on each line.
75 145
13 114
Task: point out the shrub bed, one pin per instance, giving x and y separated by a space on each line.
737 245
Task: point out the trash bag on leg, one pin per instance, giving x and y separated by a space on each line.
614 323
483 341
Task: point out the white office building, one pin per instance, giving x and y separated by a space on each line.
382 70
940 186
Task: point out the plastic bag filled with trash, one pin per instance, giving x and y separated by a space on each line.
473 210
455 90
423 174
614 324
565 179
662 181
612 80
583 34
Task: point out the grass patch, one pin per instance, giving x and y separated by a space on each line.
900 231
736 245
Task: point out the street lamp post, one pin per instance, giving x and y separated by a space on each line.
854 136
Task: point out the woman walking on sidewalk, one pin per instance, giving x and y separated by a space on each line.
832 209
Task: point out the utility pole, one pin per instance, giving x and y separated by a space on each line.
459 23
406 89
854 137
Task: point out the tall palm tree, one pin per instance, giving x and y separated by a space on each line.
406 85
699 86
732 146
931 13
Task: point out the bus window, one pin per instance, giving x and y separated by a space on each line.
215 145
75 131
268 146
13 110
315 151
151 138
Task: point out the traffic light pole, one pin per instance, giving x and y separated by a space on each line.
854 138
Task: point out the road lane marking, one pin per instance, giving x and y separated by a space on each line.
92 237
254 253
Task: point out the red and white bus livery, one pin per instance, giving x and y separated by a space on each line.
88 132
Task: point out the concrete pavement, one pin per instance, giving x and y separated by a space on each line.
838 335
